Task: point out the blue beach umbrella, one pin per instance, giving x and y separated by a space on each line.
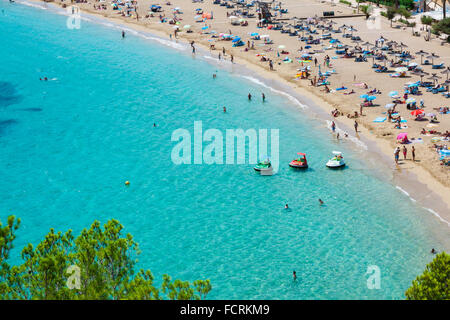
236 39
393 93
364 96
413 85
254 34
205 27
371 98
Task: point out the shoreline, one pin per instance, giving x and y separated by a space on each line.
410 179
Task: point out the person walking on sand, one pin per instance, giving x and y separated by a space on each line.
396 154
405 151
356 126
413 153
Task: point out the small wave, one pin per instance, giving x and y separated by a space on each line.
34 5
349 137
291 98
406 193
438 216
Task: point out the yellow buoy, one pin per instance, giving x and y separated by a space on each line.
127 183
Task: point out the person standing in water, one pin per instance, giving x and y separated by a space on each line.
249 97
224 109
286 206
356 126
232 58
263 97
396 154
123 34
295 275
333 126
320 202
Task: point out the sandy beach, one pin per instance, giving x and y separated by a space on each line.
347 73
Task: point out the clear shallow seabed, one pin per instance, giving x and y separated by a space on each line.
67 146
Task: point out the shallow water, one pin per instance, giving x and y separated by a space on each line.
90 128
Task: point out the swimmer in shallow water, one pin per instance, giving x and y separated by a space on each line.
214 75
321 202
249 97
433 251
286 206
224 109
154 125
295 275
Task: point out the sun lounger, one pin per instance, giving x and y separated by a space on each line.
380 119
438 66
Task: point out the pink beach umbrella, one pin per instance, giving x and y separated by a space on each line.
402 136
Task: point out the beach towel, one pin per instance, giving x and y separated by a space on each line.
380 119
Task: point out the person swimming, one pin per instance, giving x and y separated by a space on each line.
295 275
123 34
263 97
154 125
433 251
321 202
224 109
286 206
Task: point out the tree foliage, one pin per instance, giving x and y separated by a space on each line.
390 14
98 264
442 26
434 283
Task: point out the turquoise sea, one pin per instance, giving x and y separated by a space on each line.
68 144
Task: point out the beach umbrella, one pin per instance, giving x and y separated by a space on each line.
401 69
367 44
205 27
446 71
434 77
432 56
364 96
421 53
236 39
371 98
389 105
445 152
417 112
402 136
393 94
410 100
